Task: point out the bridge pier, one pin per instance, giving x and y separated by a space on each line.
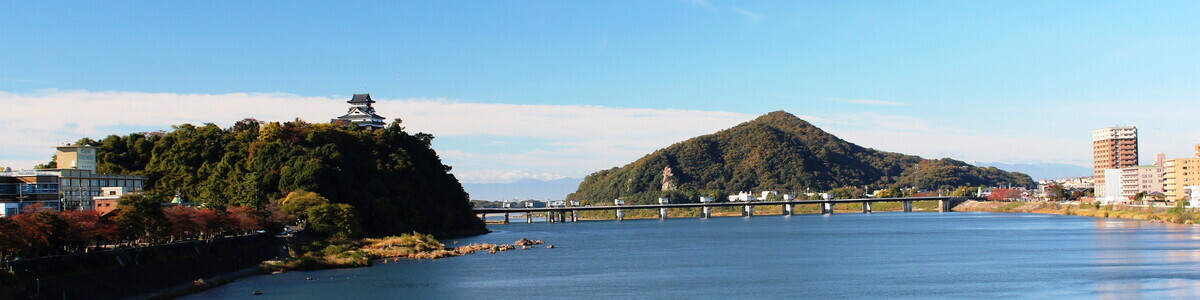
705 212
528 218
827 208
662 213
907 206
747 211
505 218
943 206
574 216
620 214
788 209
866 207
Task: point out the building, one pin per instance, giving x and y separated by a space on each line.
361 113
743 197
76 157
1181 173
72 186
1113 148
107 201
1113 185
1144 179
21 189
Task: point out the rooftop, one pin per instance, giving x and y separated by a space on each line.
361 98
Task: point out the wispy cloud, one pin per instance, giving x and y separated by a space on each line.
553 141
752 16
487 142
868 101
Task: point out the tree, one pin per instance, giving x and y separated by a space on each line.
244 219
1057 193
847 193
1005 194
962 191
184 222
141 218
85 229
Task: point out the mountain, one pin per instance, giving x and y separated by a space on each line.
1043 170
778 152
524 189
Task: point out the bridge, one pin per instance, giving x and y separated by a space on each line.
571 213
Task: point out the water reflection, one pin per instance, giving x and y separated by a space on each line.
1144 260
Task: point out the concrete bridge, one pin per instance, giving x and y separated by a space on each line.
571 213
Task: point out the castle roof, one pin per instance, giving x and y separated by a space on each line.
361 98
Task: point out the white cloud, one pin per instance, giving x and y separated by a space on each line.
488 142
577 139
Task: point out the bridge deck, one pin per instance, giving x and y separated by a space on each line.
712 204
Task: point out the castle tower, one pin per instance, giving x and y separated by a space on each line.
361 113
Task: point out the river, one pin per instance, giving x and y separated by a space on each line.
881 255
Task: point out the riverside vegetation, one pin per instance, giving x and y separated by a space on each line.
1177 214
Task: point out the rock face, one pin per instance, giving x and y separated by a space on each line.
669 182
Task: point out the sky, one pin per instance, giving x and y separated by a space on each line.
551 89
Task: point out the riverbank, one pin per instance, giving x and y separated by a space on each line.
1164 214
365 252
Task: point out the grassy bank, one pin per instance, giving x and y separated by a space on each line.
1165 214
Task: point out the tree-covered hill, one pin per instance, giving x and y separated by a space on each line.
778 152
394 180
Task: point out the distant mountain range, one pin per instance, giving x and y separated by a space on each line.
1042 171
523 189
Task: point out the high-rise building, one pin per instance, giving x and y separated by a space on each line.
1113 148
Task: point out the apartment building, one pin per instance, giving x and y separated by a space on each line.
1113 148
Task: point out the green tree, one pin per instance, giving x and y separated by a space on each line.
141 218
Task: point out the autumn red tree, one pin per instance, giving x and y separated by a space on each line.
244 219
85 229
1005 194
184 222
211 223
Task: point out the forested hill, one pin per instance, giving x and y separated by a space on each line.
394 179
778 152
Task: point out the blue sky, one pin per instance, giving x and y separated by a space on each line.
1004 81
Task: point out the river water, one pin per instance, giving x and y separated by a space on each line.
880 255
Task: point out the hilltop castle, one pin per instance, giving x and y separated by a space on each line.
361 113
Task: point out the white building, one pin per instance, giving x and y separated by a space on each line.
743 197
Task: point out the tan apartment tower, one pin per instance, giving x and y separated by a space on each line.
1113 148
1181 173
